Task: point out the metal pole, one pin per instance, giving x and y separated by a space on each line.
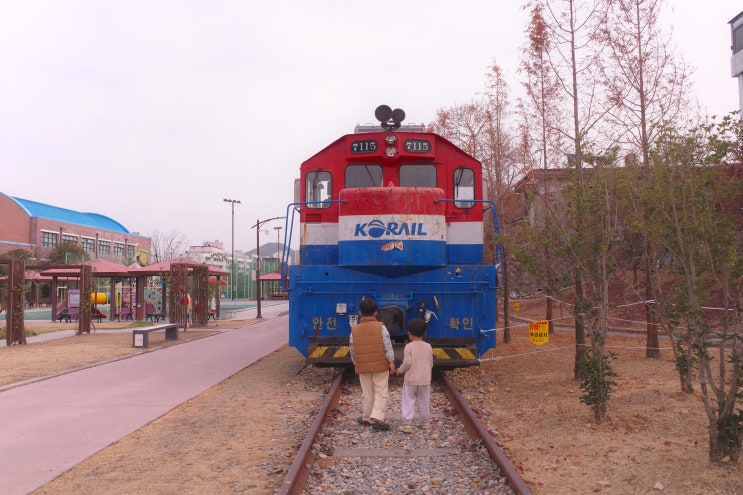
278 241
232 269
258 269
278 251
257 227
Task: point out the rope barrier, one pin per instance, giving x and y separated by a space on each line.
636 303
540 351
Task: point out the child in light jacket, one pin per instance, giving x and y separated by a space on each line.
416 366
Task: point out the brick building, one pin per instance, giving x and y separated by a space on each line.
40 228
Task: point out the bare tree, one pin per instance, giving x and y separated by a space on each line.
481 128
542 105
646 85
167 246
464 125
541 110
572 24
502 168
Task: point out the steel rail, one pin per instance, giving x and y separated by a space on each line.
299 471
296 477
478 431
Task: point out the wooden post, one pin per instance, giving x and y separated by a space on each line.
15 332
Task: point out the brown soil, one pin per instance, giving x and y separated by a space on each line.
19 363
653 439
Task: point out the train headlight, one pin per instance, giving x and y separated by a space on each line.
390 139
341 309
390 152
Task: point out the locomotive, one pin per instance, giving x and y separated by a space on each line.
394 213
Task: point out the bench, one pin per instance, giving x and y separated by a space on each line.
278 294
68 315
124 312
140 335
155 317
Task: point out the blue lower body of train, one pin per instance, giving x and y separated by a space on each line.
459 303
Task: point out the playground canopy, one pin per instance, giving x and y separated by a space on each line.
100 268
164 267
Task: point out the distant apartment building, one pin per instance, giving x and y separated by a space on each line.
211 253
39 228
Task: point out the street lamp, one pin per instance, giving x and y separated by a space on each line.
257 228
232 271
278 242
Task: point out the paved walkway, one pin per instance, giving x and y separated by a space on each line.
50 426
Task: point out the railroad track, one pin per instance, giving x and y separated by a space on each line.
454 455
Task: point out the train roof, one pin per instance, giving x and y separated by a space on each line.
370 128
366 128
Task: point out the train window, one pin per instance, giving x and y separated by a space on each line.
417 176
363 176
318 189
464 187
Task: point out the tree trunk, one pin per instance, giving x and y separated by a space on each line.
581 351
725 440
652 349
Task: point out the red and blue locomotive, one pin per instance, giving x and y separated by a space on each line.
394 213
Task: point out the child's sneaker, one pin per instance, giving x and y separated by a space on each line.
406 429
379 425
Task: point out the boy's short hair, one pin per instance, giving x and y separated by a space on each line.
417 327
368 306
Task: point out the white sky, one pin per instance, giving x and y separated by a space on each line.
153 111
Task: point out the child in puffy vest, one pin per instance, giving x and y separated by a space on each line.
416 366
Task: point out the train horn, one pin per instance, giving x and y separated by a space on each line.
390 119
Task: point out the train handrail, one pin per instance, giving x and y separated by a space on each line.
499 260
289 232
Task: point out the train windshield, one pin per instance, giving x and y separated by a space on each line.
464 187
417 176
363 176
318 189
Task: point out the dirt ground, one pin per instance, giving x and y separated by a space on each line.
653 440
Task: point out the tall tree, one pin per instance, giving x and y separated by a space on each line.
541 109
646 84
572 24
502 172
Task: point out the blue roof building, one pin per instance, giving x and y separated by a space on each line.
40 228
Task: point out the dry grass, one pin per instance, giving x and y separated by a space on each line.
653 440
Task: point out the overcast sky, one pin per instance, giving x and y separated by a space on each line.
154 111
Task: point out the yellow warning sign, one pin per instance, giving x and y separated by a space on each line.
539 332
516 306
